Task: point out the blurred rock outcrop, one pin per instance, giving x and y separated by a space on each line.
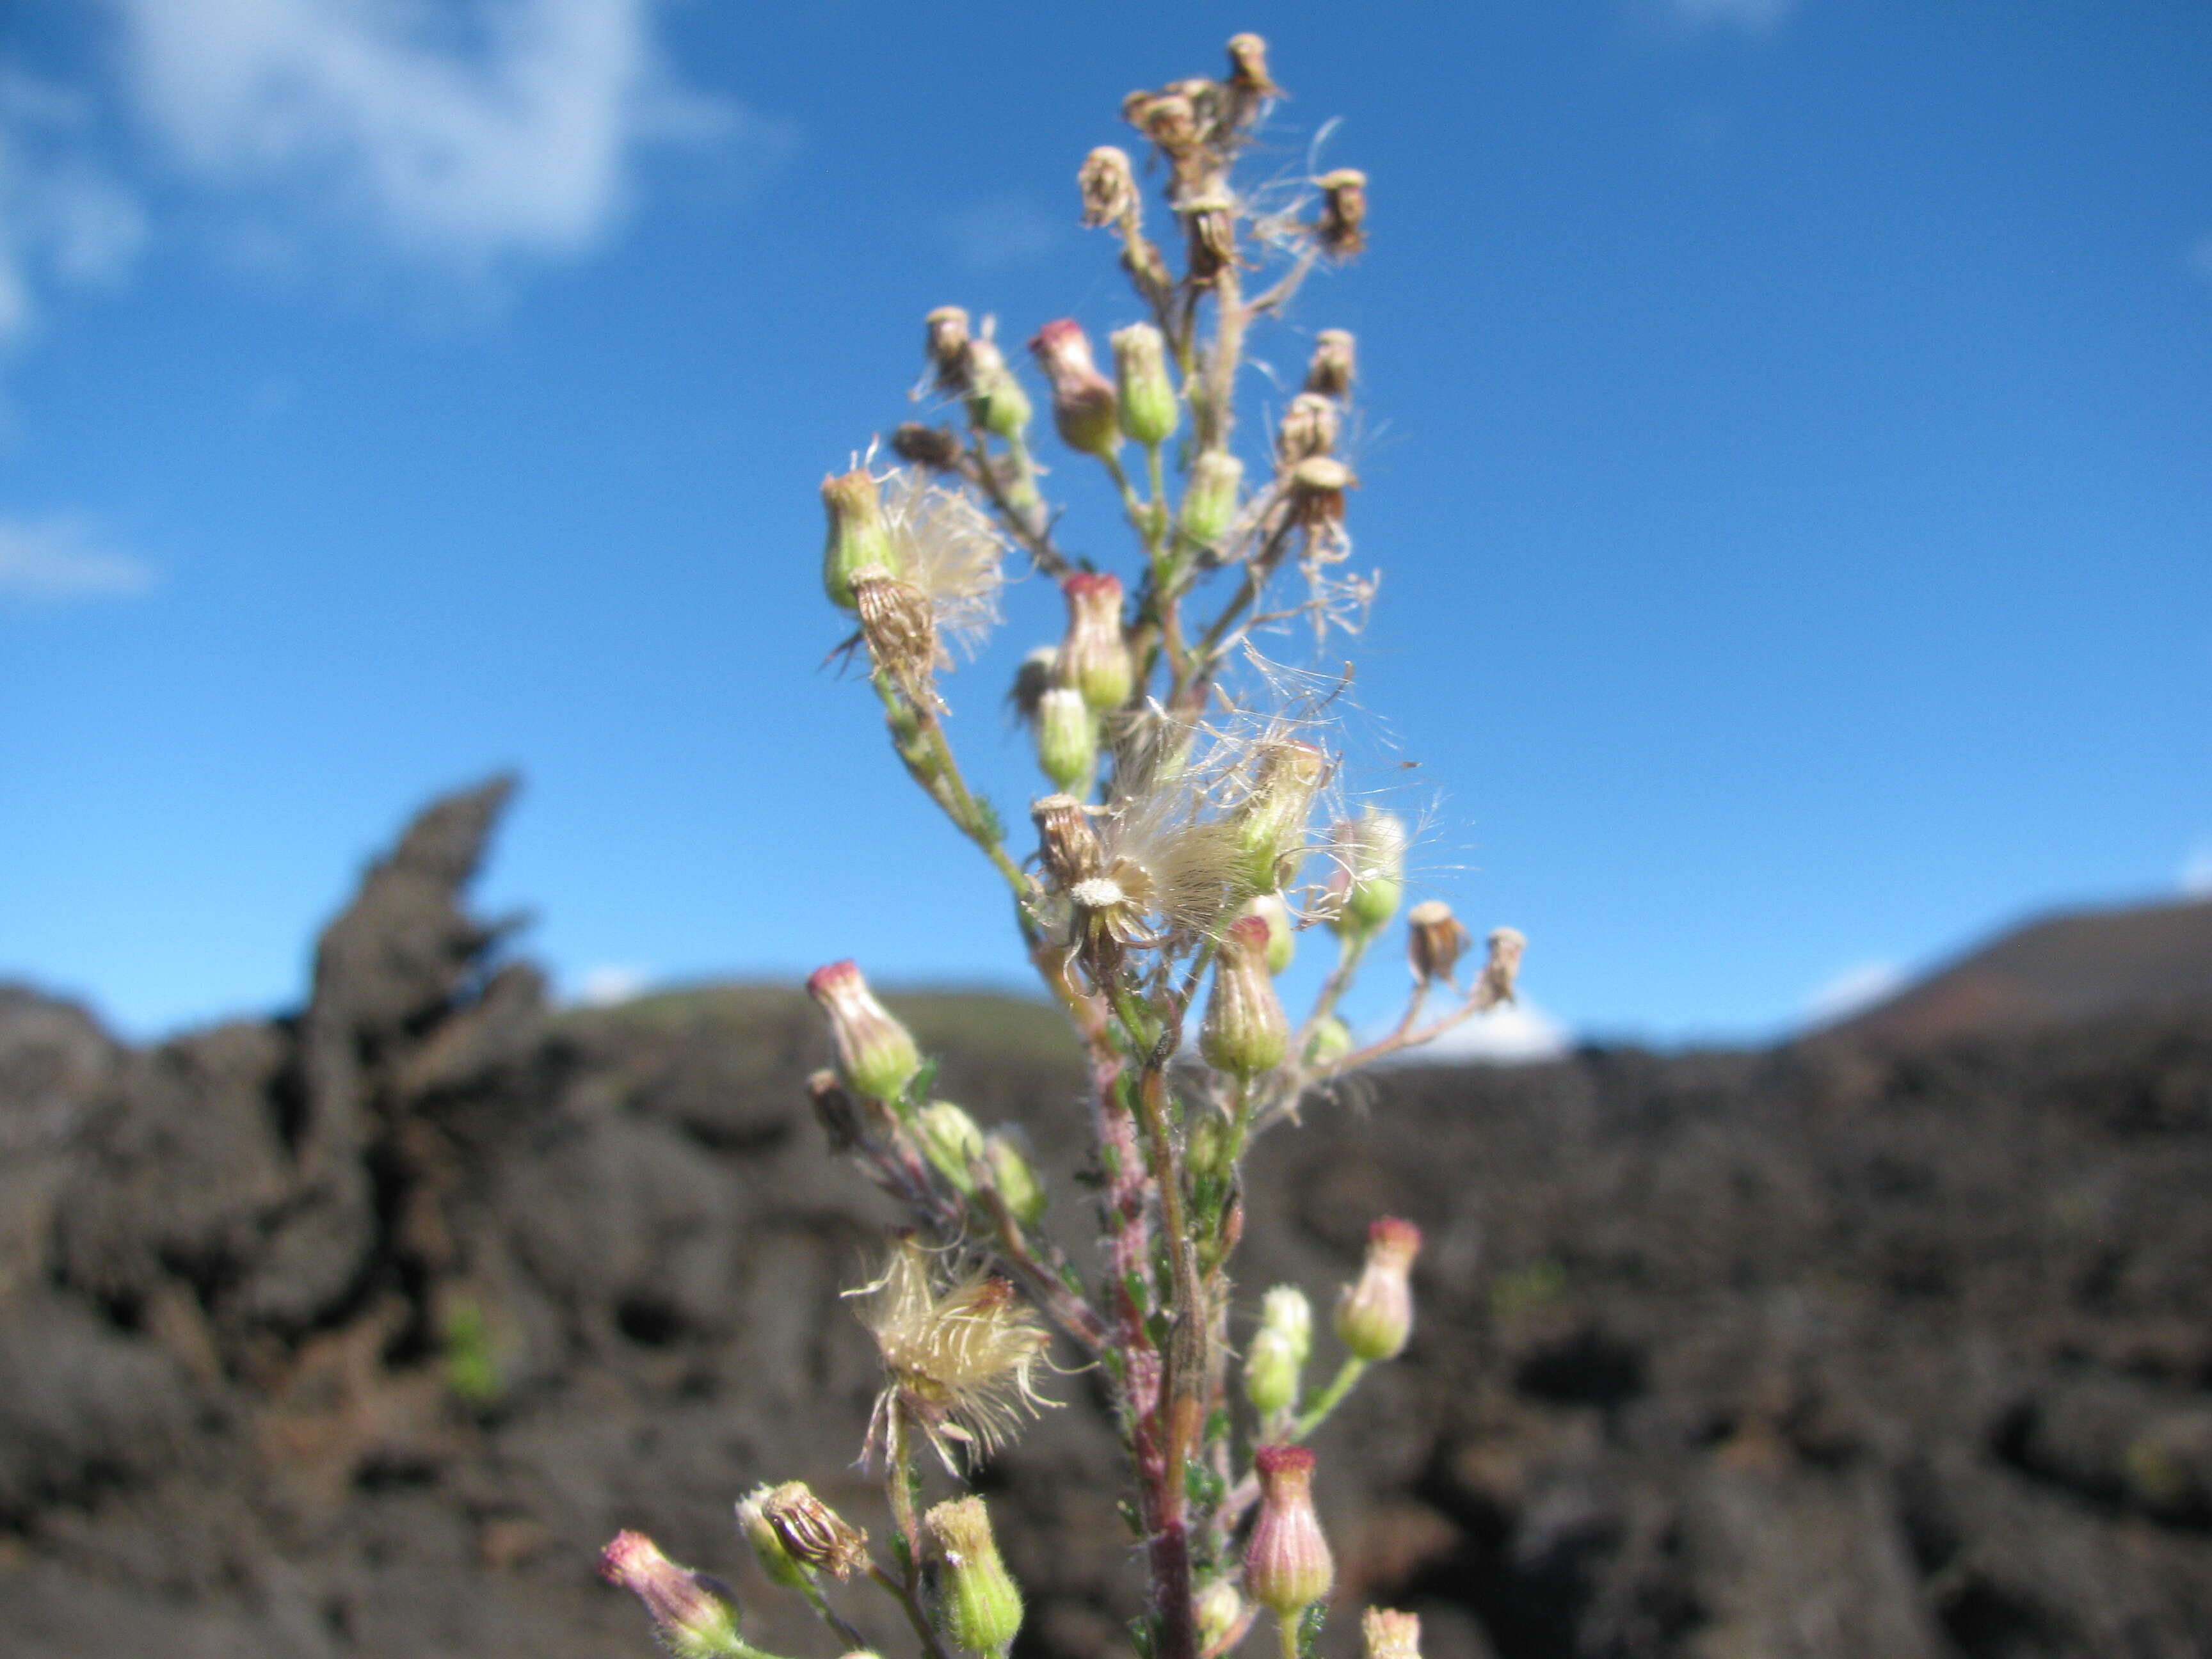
358 1332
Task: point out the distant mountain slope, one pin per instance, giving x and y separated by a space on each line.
2058 970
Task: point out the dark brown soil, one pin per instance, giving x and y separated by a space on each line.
359 1332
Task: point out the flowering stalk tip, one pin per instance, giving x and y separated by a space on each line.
1287 1566
1375 1315
859 539
1245 1032
1094 657
875 1053
1148 410
691 1622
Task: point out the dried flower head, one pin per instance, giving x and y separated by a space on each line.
947 342
1334 365
1108 184
1503 971
959 1357
812 1533
1309 427
1389 1635
1435 941
1343 222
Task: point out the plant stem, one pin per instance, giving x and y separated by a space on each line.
1331 1397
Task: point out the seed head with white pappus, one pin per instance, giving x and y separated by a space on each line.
1370 877
960 1358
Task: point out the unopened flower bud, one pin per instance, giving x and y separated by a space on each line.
978 1604
950 1138
777 1563
1278 1351
947 343
691 1622
1318 487
1334 363
1094 657
1435 941
1370 877
1309 427
1343 224
1374 1317
876 1053
1223 1618
1066 736
1207 1149
936 448
815 1534
1245 1032
1331 1041
1015 1178
1271 827
859 539
1282 938
1286 1561
1503 971
1149 410
1389 1635
1108 184
1083 400
996 401
1209 499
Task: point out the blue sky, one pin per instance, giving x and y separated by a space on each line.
1784 435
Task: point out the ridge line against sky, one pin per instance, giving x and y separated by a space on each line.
446 160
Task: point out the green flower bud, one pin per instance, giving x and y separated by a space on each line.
1271 828
1149 410
978 1604
859 539
1209 499
1282 938
1245 1032
1287 1567
1095 657
1374 1317
691 1622
948 1139
876 1053
777 1563
1278 1351
1067 739
996 401
1222 1617
1370 877
1331 1041
1016 1181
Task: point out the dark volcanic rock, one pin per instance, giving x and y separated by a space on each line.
357 1332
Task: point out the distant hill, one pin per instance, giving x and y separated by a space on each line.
2058 970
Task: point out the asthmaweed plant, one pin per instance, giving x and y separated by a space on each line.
1183 840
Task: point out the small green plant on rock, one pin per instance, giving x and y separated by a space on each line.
1184 843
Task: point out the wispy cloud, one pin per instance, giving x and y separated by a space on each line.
1753 14
1858 987
608 984
64 221
1003 232
2196 870
59 556
459 135
1517 1034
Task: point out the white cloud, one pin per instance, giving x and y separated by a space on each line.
1005 231
2196 870
609 983
63 220
1856 988
60 557
1740 13
462 133
1515 1034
